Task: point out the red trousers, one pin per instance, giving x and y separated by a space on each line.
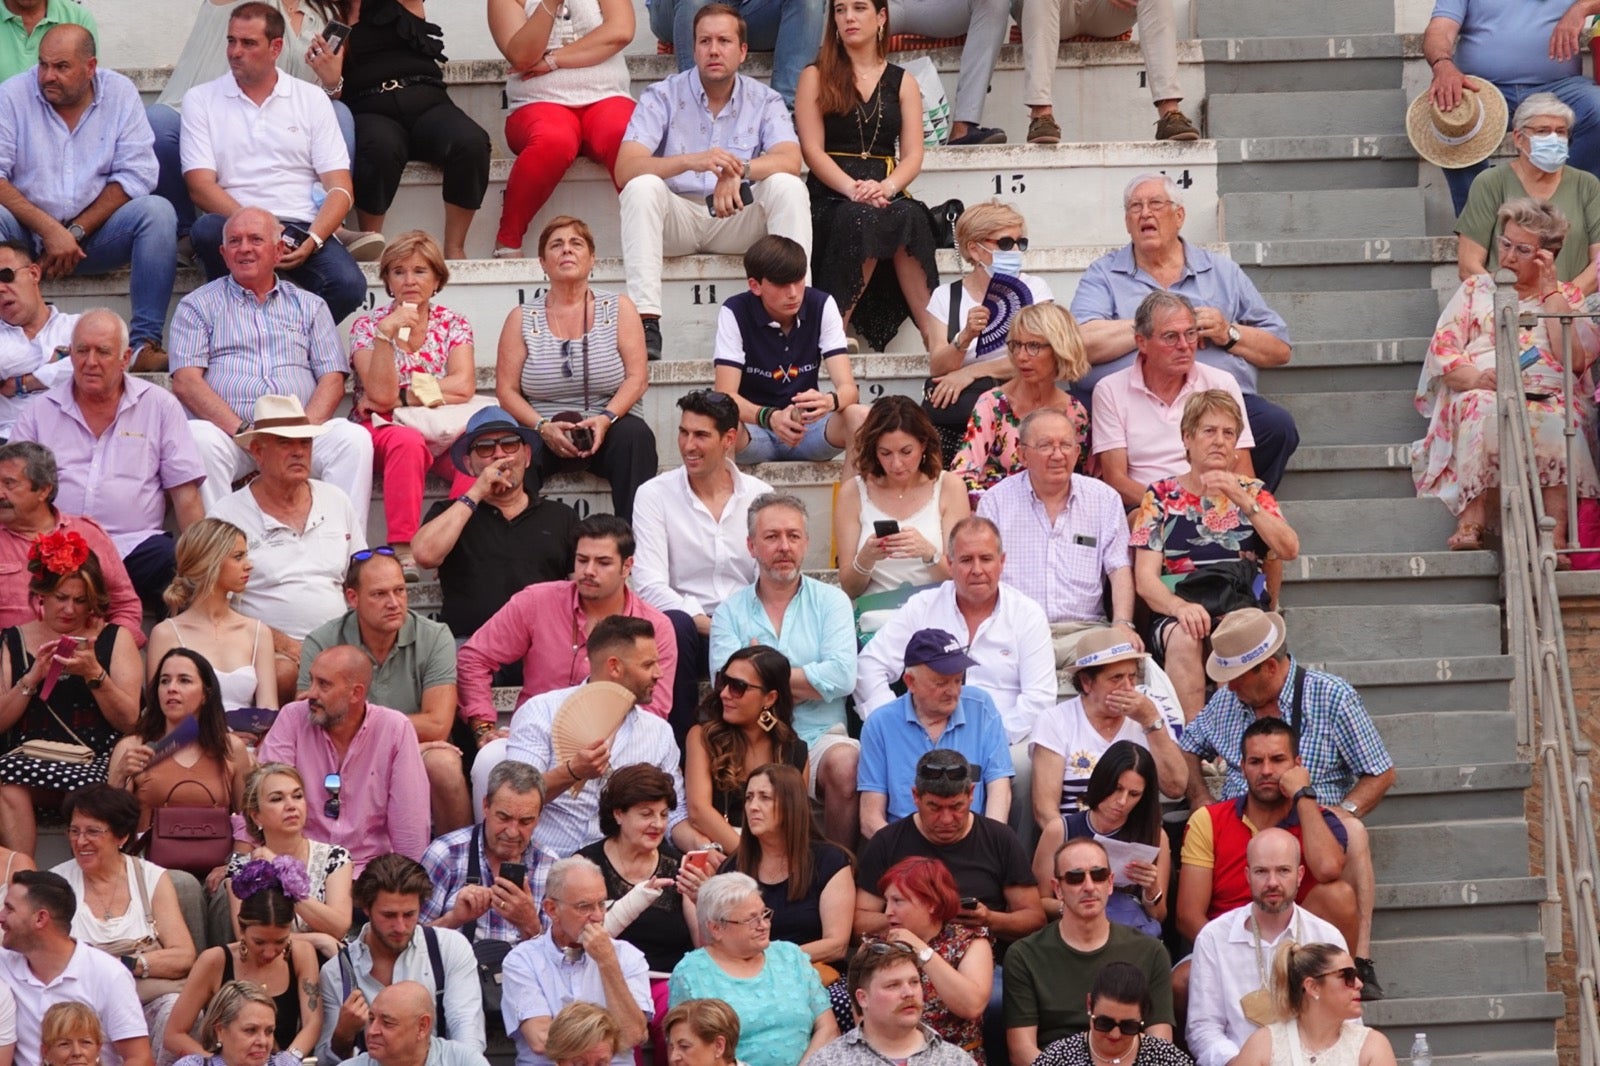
547 139
401 457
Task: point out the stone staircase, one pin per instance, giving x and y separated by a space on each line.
1307 181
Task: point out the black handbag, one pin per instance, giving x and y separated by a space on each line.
943 217
1223 587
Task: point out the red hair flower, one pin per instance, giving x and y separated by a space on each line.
61 551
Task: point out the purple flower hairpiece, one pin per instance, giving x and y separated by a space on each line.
283 872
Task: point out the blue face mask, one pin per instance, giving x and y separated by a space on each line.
1548 152
1007 263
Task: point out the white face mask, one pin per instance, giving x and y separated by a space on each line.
1547 151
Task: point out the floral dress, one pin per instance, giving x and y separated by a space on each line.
951 945
1187 529
1459 459
990 452
446 330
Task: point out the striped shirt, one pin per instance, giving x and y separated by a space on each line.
249 348
583 373
1060 565
1338 741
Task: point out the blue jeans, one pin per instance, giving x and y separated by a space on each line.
141 234
790 29
765 447
1579 93
170 186
330 273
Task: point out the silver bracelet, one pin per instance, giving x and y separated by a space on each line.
856 566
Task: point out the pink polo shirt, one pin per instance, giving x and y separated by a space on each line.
1128 415
543 627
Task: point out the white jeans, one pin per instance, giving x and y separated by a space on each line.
657 222
1046 22
342 457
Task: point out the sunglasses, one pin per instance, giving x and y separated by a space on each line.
945 773
1347 974
712 398
738 686
367 553
1005 244
330 809
874 946
489 447
8 275
1098 874
1126 1026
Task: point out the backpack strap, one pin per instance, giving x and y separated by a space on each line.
436 960
474 876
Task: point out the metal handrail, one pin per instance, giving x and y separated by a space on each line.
1542 692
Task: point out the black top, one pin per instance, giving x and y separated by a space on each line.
660 932
729 802
800 921
288 1000
390 42
984 863
495 559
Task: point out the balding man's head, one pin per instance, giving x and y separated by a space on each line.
72 37
400 1024
1274 870
340 678
251 248
100 355
66 67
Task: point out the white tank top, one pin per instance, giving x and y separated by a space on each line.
892 573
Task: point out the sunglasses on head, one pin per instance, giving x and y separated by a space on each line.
1098 874
1005 244
945 773
712 397
738 686
1126 1026
1347 974
332 784
489 447
874 946
367 553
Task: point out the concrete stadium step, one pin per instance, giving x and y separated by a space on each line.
1285 114
1257 162
1451 850
1454 740
1346 316
1454 683
1333 527
1347 366
1312 64
1434 908
1324 213
1391 578
1464 793
1476 965
1247 18
1348 472
1364 632
1327 417
1510 1029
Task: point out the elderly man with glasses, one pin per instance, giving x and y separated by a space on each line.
1235 331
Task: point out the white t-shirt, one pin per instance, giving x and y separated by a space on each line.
298 582
939 308
1066 731
19 355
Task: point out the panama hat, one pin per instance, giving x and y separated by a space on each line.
1468 133
1102 647
279 416
1243 640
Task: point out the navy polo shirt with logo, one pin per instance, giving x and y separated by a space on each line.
775 365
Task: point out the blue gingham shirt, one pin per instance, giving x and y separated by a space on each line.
446 863
249 348
62 171
674 117
1338 742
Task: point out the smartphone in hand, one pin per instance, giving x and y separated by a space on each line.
885 527
335 33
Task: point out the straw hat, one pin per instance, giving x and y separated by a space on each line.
1102 647
1243 640
1468 133
279 416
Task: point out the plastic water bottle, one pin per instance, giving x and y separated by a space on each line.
1420 1055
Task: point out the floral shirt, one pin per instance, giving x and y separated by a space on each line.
951 945
1186 529
991 450
446 330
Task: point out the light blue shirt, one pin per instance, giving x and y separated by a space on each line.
777 1008
819 637
1114 286
440 1053
893 740
1508 41
539 980
62 171
674 117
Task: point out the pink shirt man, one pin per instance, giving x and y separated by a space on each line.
1128 415
126 610
543 627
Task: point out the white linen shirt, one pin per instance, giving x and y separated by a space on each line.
19 355
299 577
1016 660
539 981
1225 967
91 977
572 819
685 560
268 156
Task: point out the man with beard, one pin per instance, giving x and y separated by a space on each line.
885 985
1234 952
622 650
366 788
35 336
811 623
394 946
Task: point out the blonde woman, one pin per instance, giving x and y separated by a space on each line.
582 1034
1317 993
1045 351
238 1030
69 1035
214 566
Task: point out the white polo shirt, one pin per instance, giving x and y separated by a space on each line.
684 559
298 582
19 355
267 156
91 977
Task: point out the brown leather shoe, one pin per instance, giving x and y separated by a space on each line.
149 358
1175 126
1044 129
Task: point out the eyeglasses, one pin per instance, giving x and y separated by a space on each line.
755 921
1137 207
91 832
1005 244
875 946
367 553
1347 974
489 447
1172 337
1126 1026
332 784
1031 347
738 686
945 773
1098 874
1052 447
1505 245
587 906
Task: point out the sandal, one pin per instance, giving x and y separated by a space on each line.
1468 537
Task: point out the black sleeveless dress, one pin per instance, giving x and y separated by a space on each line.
845 234
75 709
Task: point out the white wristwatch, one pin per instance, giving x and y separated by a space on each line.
924 955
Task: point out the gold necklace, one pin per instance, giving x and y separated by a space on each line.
877 119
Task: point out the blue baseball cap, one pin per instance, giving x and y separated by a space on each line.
937 649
